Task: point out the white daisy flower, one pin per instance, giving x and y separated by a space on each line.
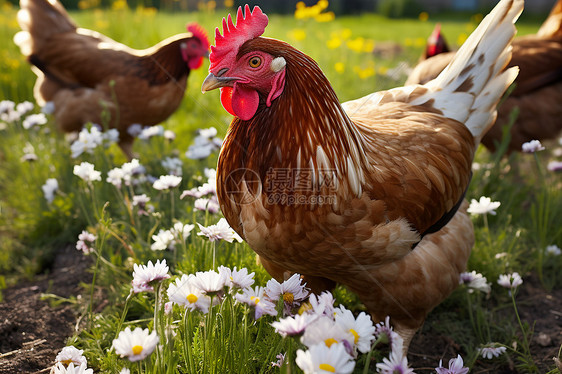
204 144
221 230
456 366
136 345
163 240
85 239
484 206
239 279
115 177
361 328
50 187
554 165
322 359
326 330
140 200
144 276
181 231
150 131
255 298
510 281
395 363
384 331
71 354
87 141
125 371
165 182
532 146
292 290
553 250
24 107
132 169
134 130
111 136
491 351
169 135
211 282
293 326
173 165
184 292
475 281
34 120
59 368
322 304
210 205
87 172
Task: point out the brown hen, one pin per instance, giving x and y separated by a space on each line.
92 78
369 193
538 90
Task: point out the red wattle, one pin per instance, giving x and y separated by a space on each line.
226 99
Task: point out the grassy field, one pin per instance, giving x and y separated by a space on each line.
228 338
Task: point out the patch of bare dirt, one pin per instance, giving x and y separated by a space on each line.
535 305
32 332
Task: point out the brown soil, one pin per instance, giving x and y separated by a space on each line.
32 331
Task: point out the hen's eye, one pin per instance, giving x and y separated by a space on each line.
255 62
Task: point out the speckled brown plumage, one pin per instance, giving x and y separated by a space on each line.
347 193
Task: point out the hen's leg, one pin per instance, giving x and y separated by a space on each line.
126 145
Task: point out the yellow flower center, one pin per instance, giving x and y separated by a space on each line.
288 297
255 299
327 367
305 307
355 335
66 362
330 341
137 349
191 298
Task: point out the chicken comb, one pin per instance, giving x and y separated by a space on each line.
200 33
249 27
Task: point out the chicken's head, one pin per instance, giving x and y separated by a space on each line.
436 43
195 48
242 74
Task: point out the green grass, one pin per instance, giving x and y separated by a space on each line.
227 339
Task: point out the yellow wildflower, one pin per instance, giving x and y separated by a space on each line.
461 39
297 34
228 3
424 16
356 44
419 42
325 17
119 5
339 67
364 73
333 43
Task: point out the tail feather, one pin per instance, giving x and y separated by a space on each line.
470 87
39 20
552 26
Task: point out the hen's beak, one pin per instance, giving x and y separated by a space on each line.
212 82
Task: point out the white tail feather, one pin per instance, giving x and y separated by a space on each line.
470 87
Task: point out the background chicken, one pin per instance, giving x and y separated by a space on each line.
538 90
361 194
91 78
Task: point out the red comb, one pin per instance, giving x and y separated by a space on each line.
200 33
248 27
